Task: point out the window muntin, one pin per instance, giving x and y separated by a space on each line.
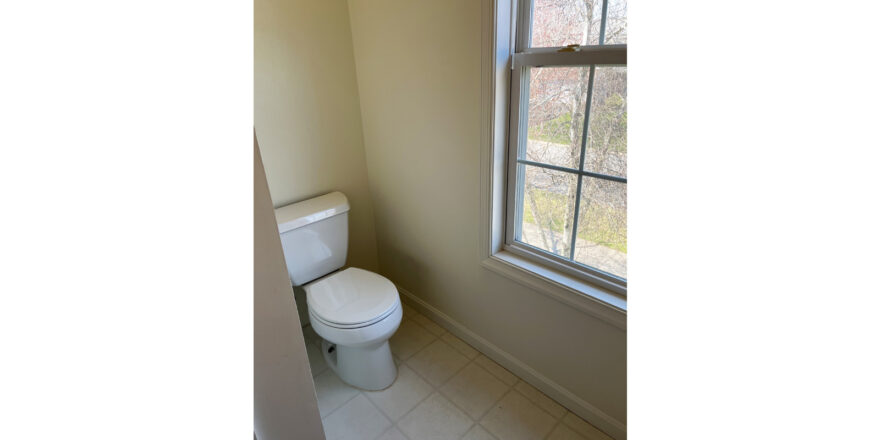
615 23
568 133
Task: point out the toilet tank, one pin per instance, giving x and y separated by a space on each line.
314 236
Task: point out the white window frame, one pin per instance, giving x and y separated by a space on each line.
506 56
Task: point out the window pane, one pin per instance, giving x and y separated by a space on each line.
562 22
547 208
606 143
601 236
615 24
557 99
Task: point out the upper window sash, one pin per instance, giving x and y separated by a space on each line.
524 26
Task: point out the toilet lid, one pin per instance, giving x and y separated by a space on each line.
352 296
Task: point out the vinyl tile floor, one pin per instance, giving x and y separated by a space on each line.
445 389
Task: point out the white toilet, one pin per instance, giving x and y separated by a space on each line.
355 311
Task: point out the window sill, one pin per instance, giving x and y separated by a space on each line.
571 291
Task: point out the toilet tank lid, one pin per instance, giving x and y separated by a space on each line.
299 214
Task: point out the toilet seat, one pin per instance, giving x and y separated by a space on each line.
352 298
363 336
315 317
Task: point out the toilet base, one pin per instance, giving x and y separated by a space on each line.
370 368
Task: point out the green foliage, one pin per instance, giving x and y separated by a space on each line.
595 224
607 121
549 203
555 130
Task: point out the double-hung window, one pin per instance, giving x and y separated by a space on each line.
566 193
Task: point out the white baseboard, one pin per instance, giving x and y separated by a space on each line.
613 427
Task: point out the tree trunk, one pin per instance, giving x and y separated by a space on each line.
574 136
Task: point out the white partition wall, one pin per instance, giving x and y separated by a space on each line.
285 405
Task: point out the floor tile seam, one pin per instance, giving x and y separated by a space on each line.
484 429
447 379
476 420
414 406
412 320
553 428
379 410
433 388
367 395
518 379
556 422
466 415
473 422
514 390
538 404
403 416
394 426
500 379
401 432
442 329
422 348
438 391
386 431
419 375
480 422
440 337
462 340
343 403
426 345
515 383
447 332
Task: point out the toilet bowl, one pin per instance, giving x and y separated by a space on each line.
355 312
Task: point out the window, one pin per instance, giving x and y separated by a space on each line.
567 178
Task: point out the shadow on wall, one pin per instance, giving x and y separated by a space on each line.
409 272
299 295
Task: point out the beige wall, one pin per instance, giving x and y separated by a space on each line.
285 405
306 111
418 71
